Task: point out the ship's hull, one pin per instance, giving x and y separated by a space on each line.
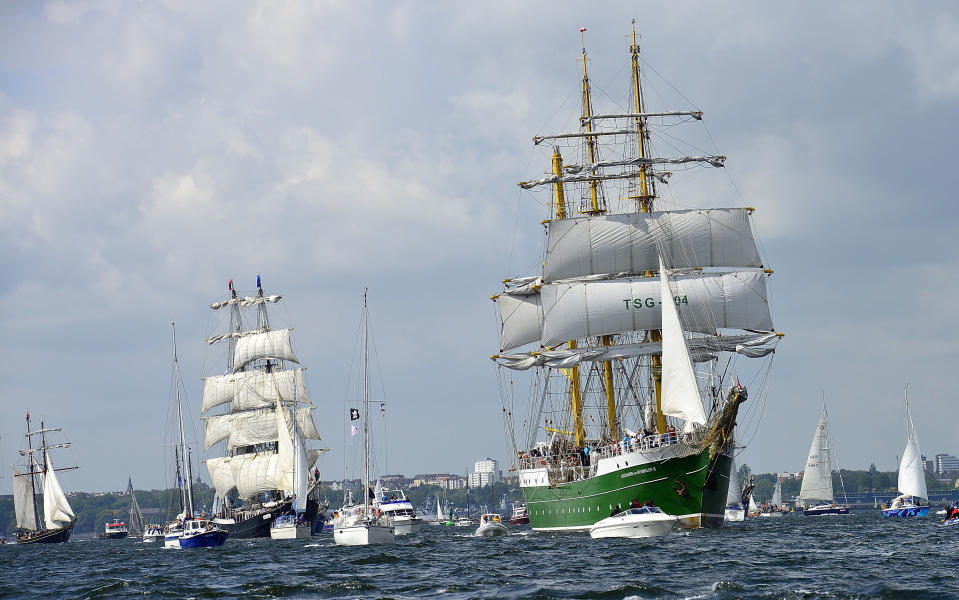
255 526
821 510
906 511
688 485
47 536
115 535
362 535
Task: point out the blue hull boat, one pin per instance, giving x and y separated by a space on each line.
207 539
906 511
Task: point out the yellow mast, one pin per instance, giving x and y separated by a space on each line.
595 209
646 205
580 430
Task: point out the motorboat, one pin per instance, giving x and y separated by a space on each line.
491 525
520 515
906 506
645 521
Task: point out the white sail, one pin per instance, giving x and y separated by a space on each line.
57 513
255 473
254 389
521 318
817 478
752 505
293 475
680 396
706 302
912 476
255 427
777 494
734 493
245 301
269 345
221 475
633 242
23 501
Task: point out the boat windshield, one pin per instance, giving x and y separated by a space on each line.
643 510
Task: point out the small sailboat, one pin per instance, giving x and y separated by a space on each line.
644 521
491 524
913 497
357 524
294 524
188 531
137 525
816 493
774 508
58 517
734 508
753 508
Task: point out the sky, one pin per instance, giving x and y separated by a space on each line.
151 151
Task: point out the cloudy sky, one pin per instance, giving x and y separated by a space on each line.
150 151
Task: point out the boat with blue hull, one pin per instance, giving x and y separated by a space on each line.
913 498
188 531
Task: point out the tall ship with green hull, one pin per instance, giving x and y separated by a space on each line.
631 399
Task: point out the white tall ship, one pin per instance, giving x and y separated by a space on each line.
361 524
263 472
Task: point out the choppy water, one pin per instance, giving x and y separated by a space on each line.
794 557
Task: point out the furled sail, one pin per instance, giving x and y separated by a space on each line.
706 302
817 478
23 501
57 513
269 345
701 349
633 242
680 397
221 475
255 473
912 476
254 389
245 301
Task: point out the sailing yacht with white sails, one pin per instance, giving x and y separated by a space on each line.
263 472
734 507
357 524
816 493
58 518
913 498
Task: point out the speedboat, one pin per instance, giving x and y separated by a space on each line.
463 522
491 525
396 508
287 527
645 521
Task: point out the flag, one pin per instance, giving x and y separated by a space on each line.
179 481
257 281
354 414
231 285
382 407
355 429
582 29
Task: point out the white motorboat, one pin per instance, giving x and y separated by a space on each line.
396 508
646 521
491 525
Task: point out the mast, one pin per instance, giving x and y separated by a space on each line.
366 409
33 485
179 410
646 205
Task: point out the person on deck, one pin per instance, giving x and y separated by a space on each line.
616 511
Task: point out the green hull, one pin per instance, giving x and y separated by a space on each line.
691 487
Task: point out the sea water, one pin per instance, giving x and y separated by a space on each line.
860 556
